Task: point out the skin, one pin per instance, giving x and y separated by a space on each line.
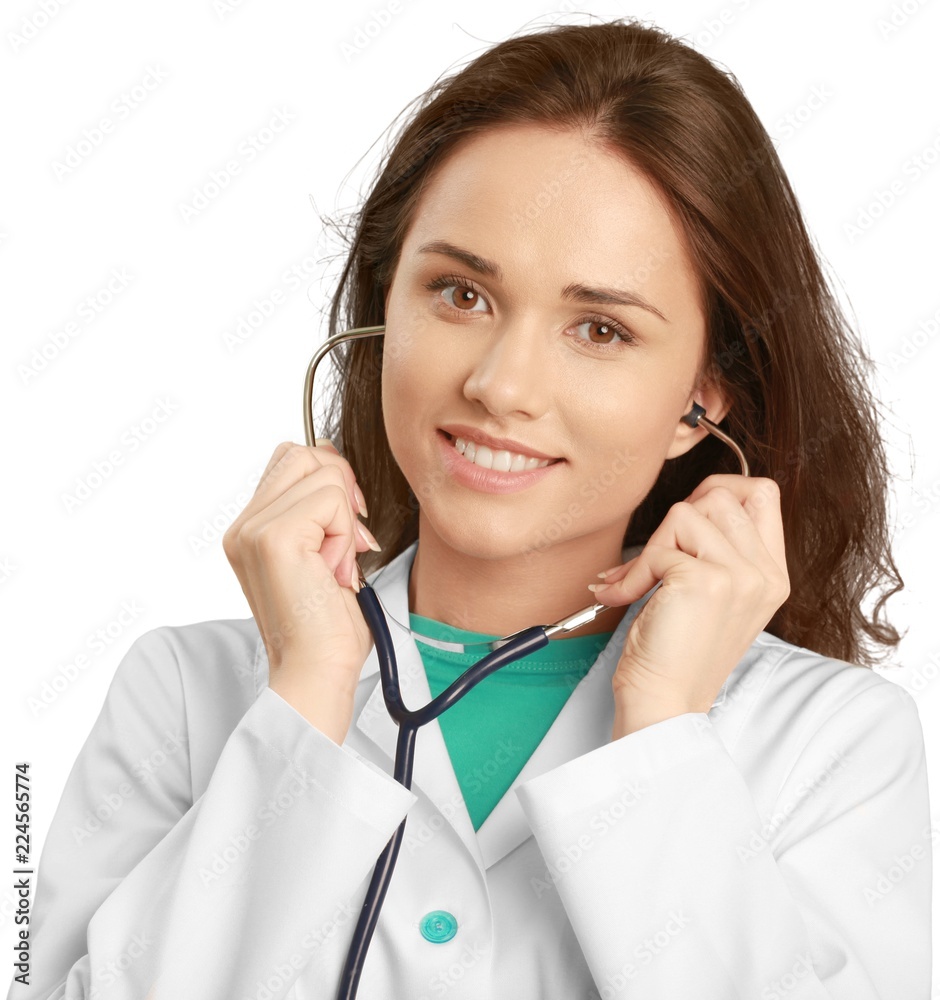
514 358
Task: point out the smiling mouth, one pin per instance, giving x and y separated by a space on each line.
518 461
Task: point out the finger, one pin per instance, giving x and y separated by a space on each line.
651 566
275 458
617 572
687 530
297 461
727 513
749 534
760 498
340 542
358 498
723 509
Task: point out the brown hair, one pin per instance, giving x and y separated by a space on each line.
776 340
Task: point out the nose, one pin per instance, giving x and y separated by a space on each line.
511 370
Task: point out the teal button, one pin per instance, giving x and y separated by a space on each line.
438 926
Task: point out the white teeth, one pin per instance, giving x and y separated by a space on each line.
500 461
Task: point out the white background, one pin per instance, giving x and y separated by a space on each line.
844 91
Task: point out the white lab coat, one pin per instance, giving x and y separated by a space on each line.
212 844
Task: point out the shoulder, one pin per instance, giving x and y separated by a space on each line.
195 679
224 655
225 650
781 698
816 686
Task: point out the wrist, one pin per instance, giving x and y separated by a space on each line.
632 713
325 706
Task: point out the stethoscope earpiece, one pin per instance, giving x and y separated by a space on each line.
696 418
692 417
503 651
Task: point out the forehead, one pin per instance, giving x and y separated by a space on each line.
557 201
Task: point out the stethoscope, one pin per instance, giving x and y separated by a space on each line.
506 650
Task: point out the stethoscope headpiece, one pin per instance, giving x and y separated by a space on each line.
694 418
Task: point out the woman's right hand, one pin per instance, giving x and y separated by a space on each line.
293 549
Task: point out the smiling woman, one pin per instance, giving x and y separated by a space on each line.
507 350
632 182
577 242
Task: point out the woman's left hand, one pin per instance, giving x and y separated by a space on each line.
720 555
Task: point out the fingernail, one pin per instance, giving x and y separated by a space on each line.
602 575
597 587
368 537
361 500
355 580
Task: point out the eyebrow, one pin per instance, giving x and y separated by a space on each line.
576 291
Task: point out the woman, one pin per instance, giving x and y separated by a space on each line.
702 793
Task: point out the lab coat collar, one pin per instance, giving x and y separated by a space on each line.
584 723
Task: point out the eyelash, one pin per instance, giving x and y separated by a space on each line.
626 338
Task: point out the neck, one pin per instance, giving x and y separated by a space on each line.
501 596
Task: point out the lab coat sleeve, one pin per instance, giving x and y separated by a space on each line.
143 893
676 886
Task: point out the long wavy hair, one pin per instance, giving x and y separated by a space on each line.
776 340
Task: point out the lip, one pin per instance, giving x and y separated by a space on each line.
487 480
467 432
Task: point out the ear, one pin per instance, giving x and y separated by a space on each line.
706 394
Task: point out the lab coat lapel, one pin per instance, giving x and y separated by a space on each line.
584 723
433 772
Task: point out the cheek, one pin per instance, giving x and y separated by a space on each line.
405 373
619 403
409 389
625 431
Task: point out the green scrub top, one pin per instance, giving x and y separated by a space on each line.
493 730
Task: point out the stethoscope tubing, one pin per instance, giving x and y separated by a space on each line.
521 644
509 649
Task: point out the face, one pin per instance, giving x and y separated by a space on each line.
485 336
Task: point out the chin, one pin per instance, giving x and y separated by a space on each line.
480 538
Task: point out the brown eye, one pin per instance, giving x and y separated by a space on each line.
464 296
606 330
615 336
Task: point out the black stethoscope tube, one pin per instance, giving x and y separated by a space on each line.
511 648
521 644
